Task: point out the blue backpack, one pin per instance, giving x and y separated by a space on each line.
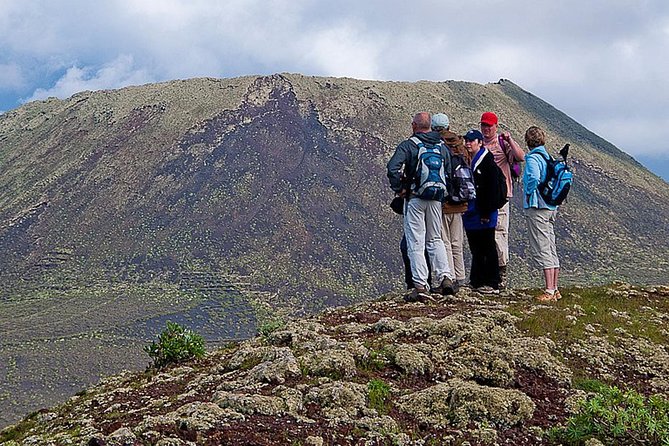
430 181
555 187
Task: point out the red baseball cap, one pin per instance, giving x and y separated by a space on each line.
489 118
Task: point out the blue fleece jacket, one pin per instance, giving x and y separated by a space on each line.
533 174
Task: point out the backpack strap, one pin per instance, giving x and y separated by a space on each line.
547 160
506 149
416 141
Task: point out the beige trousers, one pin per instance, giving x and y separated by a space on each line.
453 235
502 235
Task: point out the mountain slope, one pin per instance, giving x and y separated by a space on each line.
220 202
281 178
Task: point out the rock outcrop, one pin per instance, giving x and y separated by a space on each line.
385 372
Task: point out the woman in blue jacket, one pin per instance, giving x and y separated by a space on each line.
480 218
540 216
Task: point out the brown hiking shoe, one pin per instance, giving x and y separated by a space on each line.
446 287
417 295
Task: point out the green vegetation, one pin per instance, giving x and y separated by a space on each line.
18 431
600 308
271 326
617 417
589 384
376 360
378 393
175 344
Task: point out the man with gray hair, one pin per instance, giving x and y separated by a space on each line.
422 207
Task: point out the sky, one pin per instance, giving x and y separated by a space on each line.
605 63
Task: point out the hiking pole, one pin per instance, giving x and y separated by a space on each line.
565 151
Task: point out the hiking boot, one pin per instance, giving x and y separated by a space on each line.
486 290
503 277
463 284
557 295
446 287
417 295
547 297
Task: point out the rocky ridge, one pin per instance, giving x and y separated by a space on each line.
464 370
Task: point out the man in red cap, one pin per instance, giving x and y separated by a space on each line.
505 150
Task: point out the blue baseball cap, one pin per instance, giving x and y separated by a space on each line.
473 134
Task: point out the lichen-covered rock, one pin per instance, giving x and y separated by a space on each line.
174 442
293 399
351 328
339 399
381 425
196 417
121 437
314 379
251 404
314 441
536 354
250 354
301 335
199 416
283 367
334 363
457 403
480 362
410 359
387 325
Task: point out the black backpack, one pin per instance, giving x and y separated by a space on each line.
462 181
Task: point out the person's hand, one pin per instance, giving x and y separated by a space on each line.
506 136
402 193
485 221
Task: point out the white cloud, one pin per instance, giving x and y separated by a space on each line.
11 77
600 62
342 51
119 73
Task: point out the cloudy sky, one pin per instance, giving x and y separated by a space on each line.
603 62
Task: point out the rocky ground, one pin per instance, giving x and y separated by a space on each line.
468 369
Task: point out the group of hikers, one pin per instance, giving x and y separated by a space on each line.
447 185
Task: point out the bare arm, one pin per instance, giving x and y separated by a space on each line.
516 150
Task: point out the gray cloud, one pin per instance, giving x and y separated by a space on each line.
602 62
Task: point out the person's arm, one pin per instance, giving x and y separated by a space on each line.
394 167
531 174
513 147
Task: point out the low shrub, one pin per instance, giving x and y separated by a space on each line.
271 326
175 344
617 417
378 393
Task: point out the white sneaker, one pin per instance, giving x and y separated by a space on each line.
486 290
